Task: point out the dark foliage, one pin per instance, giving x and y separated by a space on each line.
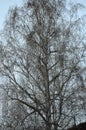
81 126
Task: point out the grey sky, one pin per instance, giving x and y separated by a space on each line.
4 6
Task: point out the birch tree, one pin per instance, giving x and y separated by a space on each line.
42 58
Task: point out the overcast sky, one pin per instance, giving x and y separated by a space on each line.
4 6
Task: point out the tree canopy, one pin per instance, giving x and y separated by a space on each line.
43 62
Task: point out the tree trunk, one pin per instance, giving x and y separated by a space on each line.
48 126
